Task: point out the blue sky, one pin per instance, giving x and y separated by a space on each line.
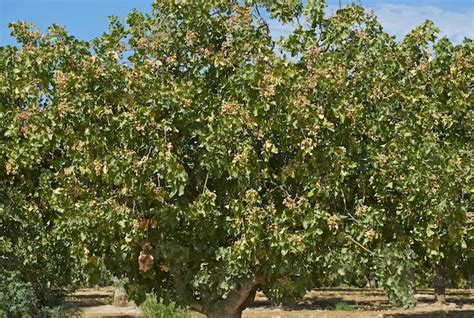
87 19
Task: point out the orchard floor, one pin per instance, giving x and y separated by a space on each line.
319 303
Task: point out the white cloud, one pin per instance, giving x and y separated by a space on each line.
399 19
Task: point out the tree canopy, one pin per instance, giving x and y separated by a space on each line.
192 153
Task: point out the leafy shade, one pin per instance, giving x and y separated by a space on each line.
184 152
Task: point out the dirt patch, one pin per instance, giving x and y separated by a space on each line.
321 303
110 311
363 303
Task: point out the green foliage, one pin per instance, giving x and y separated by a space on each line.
181 150
394 269
20 298
17 297
342 306
153 308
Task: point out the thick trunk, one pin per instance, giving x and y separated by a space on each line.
236 302
439 284
250 299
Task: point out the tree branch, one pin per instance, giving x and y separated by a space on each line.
358 244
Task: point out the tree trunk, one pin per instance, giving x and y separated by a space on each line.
236 301
372 283
412 279
439 284
120 297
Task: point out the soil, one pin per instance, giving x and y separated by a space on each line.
320 303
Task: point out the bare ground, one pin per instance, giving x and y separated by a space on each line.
319 303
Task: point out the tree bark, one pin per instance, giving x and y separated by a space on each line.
413 280
372 283
236 301
439 284
120 297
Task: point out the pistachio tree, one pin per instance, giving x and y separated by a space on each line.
191 152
